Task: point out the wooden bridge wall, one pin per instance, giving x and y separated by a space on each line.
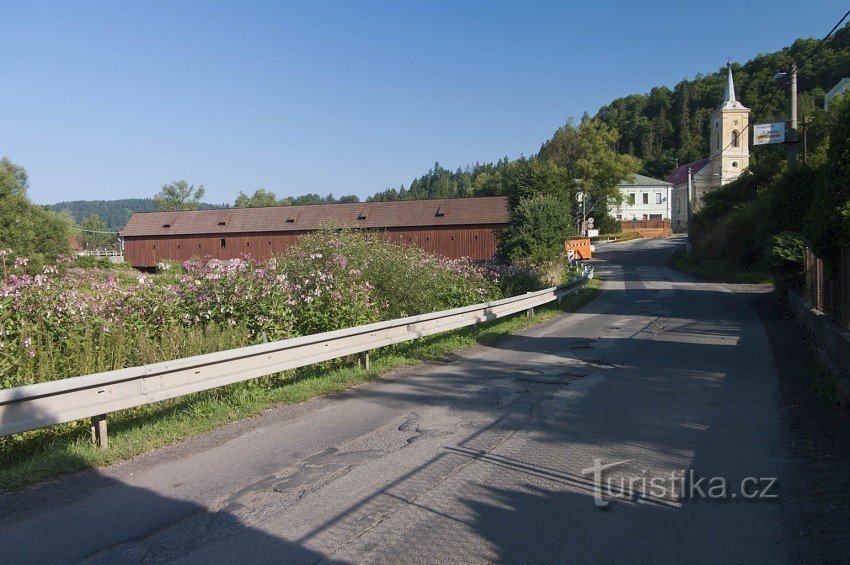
477 242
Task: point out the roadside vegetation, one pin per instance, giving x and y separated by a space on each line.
757 227
66 320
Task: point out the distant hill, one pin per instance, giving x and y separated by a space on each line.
114 212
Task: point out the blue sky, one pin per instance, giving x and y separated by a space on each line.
111 100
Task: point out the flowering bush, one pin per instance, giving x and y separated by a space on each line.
66 321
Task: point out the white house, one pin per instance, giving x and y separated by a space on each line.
644 199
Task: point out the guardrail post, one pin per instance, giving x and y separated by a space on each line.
363 360
475 329
530 312
98 431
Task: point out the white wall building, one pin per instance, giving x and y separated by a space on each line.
644 199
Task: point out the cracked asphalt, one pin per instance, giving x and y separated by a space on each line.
480 458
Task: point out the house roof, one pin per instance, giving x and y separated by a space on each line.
680 174
641 180
402 213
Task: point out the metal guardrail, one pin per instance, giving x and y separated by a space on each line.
101 253
40 405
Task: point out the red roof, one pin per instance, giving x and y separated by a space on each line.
680 174
402 213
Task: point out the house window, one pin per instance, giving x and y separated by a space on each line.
646 198
658 198
221 242
736 138
632 199
655 216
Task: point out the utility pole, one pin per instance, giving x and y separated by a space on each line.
791 138
690 206
792 101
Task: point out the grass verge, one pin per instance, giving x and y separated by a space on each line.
34 456
716 272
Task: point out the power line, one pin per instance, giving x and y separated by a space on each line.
97 231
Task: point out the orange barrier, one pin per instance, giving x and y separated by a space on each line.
578 248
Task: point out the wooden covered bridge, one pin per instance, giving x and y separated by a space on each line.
458 227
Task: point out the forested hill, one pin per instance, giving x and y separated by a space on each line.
114 212
667 126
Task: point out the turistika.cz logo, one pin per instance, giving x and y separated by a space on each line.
672 487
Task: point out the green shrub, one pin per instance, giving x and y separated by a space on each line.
538 227
787 255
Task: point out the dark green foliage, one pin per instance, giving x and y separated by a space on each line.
786 252
179 195
827 223
29 230
114 212
13 179
91 233
606 223
259 199
538 227
439 182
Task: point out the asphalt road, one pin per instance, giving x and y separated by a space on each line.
480 458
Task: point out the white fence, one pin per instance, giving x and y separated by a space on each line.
93 396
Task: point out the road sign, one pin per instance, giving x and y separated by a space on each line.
590 222
765 134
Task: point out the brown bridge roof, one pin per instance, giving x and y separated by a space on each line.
402 213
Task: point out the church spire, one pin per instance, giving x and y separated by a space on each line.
729 93
730 102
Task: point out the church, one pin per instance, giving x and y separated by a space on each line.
729 156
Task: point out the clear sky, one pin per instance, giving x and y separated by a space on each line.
111 100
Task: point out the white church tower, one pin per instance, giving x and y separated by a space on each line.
730 146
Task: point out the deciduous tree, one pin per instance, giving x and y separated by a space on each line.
179 195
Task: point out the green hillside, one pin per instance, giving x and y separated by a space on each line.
114 212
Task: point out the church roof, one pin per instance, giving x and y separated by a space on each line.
680 174
730 102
